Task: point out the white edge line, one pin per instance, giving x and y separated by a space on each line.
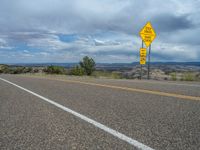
93 122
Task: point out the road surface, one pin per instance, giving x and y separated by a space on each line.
77 113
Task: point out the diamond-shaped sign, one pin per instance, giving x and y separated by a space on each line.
148 34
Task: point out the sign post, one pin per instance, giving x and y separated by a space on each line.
148 35
149 59
141 65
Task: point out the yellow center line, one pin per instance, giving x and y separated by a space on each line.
187 97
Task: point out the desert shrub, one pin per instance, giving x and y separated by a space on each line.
116 75
88 64
173 76
35 70
165 78
101 74
14 70
26 70
188 77
77 71
20 70
197 76
17 70
55 70
4 69
108 74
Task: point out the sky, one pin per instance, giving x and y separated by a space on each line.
63 31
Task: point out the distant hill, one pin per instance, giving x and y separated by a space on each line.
106 64
186 71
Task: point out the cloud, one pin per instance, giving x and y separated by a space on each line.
4 45
105 43
171 23
58 30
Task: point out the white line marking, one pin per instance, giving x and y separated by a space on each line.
93 122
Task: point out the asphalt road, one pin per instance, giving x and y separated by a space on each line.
164 118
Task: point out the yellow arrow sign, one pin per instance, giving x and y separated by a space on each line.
148 34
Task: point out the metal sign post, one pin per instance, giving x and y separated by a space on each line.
149 59
141 64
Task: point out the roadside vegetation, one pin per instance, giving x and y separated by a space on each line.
185 76
77 71
107 74
17 69
87 67
173 76
55 70
188 76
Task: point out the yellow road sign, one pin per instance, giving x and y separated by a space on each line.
142 60
143 52
148 34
